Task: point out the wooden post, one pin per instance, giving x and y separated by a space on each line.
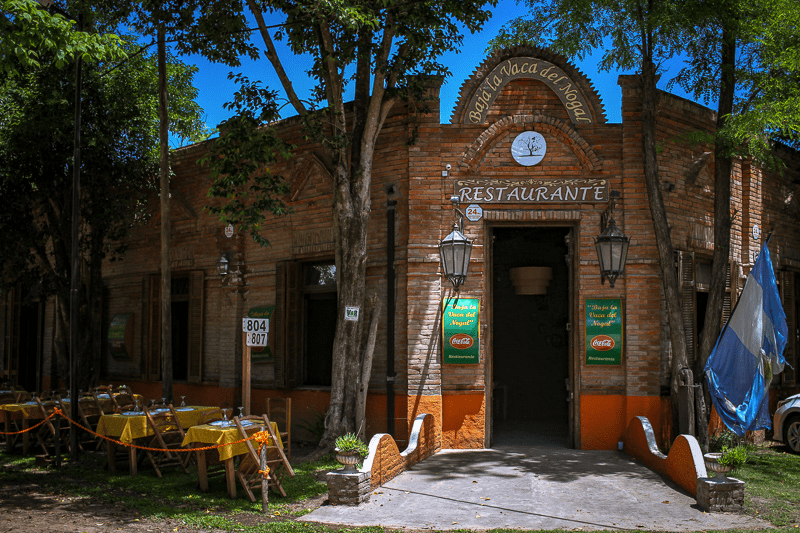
245 374
264 479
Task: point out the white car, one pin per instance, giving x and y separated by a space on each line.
786 423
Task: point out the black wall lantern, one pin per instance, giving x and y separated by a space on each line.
455 250
222 264
611 245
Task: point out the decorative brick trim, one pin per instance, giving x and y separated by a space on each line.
471 85
385 461
560 129
684 465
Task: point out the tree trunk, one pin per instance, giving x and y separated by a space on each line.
722 219
351 216
375 305
166 271
669 276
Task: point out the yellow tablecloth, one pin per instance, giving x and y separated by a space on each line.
211 435
126 428
17 411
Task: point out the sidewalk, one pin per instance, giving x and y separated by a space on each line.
531 488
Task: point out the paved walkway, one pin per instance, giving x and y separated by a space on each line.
531 488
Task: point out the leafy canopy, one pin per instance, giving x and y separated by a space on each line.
32 34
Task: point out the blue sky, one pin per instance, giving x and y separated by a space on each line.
215 89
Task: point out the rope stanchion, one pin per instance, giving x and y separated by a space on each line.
262 437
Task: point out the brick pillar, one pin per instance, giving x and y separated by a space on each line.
720 495
348 488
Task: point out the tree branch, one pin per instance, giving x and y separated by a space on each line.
272 55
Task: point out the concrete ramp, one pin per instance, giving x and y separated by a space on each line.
531 488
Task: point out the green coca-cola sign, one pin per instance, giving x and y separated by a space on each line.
604 331
461 330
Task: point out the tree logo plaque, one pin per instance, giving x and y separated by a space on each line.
528 148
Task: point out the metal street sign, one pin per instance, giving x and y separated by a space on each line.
257 325
256 339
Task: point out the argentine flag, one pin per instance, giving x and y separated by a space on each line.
749 352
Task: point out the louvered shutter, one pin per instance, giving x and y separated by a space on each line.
686 278
154 330
196 283
729 300
788 296
288 322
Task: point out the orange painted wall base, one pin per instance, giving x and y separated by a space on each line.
604 418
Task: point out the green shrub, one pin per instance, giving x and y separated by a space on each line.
349 442
734 457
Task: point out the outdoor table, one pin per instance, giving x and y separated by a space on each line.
205 435
19 411
127 428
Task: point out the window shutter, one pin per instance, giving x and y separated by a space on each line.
288 322
154 330
196 281
788 295
729 299
686 278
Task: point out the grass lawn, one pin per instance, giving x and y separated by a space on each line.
772 493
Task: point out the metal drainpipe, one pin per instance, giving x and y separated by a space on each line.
390 312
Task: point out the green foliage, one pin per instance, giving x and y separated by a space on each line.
734 457
772 477
175 495
766 104
315 425
626 30
34 37
241 158
723 440
349 442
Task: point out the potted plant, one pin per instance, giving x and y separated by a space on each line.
726 460
350 450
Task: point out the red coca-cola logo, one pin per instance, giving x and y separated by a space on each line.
602 343
461 341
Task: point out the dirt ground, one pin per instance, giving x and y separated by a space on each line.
30 508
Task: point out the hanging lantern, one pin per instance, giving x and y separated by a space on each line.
455 251
612 252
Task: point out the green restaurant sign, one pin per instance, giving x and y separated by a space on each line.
604 331
461 330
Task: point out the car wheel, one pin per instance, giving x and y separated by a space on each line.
791 434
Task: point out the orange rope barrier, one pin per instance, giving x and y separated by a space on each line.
58 411
30 428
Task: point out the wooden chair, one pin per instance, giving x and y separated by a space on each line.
48 435
249 468
279 410
90 412
210 416
168 435
123 402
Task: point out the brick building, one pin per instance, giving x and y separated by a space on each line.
528 144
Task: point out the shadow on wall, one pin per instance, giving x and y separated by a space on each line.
684 464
